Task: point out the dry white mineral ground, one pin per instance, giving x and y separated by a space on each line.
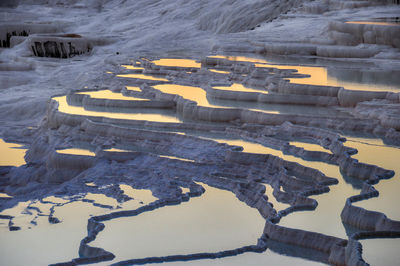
199 132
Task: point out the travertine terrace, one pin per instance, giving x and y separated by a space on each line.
273 121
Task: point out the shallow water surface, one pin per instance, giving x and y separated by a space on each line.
48 243
219 71
191 93
176 62
326 217
309 146
381 252
11 154
64 107
141 76
239 87
132 67
382 23
108 94
374 151
322 76
215 221
77 151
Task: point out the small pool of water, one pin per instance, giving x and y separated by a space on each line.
11 154
48 243
321 76
133 88
372 22
281 108
374 151
381 252
191 93
278 206
199 96
215 221
141 76
64 107
177 62
309 146
239 87
219 71
241 58
108 94
145 196
176 158
77 151
132 67
5 195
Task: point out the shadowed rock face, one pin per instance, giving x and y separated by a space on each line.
57 45
8 30
164 156
64 46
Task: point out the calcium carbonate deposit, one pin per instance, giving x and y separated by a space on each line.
199 132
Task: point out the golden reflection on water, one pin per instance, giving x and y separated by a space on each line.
240 58
64 107
71 230
185 190
374 151
309 146
215 221
381 251
326 218
101 199
374 23
176 62
77 151
143 195
116 150
54 199
251 147
177 158
131 67
108 94
239 87
11 155
278 206
191 93
141 76
17 210
318 75
219 71
132 88
264 111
